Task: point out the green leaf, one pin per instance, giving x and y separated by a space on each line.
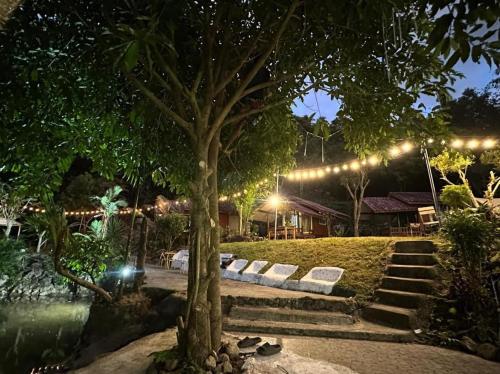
476 53
131 56
452 60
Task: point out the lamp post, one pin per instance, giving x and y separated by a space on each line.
431 181
276 207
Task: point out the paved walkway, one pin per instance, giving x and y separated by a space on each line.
347 356
174 280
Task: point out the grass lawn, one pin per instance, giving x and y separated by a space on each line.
364 258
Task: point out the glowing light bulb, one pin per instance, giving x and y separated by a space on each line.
473 144
373 160
312 174
363 162
126 271
355 165
345 166
275 200
489 143
394 151
328 169
407 147
430 141
457 143
321 173
336 169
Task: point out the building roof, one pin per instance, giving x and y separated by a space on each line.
413 198
387 205
307 207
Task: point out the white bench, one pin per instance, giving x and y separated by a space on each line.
225 257
251 273
179 258
277 275
233 270
321 280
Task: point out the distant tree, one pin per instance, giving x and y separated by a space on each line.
356 183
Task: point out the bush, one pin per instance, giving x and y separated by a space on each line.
169 229
12 253
472 236
456 196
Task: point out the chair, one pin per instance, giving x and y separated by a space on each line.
233 270
321 279
428 219
251 273
277 275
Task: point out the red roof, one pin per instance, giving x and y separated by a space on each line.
413 198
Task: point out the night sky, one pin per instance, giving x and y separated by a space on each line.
477 75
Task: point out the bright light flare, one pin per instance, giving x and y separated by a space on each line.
373 160
394 151
457 143
407 147
473 144
275 200
127 271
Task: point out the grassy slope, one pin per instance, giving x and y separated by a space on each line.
364 259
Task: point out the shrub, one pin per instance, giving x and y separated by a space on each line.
472 236
169 229
12 253
456 196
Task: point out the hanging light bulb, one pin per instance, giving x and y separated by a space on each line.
395 151
363 162
457 143
355 165
373 160
328 169
407 147
336 169
345 166
489 143
430 141
321 173
472 144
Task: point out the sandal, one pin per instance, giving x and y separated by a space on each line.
248 342
267 349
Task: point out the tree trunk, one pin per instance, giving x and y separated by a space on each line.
214 256
140 263
356 217
195 332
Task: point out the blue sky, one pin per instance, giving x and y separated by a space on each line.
475 76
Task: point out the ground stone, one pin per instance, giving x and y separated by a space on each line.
469 344
227 367
232 350
210 363
487 351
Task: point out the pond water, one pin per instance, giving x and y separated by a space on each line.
38 334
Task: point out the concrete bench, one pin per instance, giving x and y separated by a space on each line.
321 280
251 273
233 270
225 257
179 258
277 275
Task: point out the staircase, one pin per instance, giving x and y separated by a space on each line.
327 317
408 285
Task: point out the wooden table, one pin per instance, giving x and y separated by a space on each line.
283 231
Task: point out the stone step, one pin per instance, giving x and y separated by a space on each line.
392 316
400 299
412 271
415 246
310 302
425 286
362 330
413 259
289 315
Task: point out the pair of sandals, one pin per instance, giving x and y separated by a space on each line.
265 349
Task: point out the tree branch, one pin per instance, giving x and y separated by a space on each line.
219 121
160 105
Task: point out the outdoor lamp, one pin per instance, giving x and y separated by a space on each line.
274 200
126 271
489 143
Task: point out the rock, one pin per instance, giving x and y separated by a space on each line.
487 351
232 350
227 367
171 365
224 357
468 344
210 363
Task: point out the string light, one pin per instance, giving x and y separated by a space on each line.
393 152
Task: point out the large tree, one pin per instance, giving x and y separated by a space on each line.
212 71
